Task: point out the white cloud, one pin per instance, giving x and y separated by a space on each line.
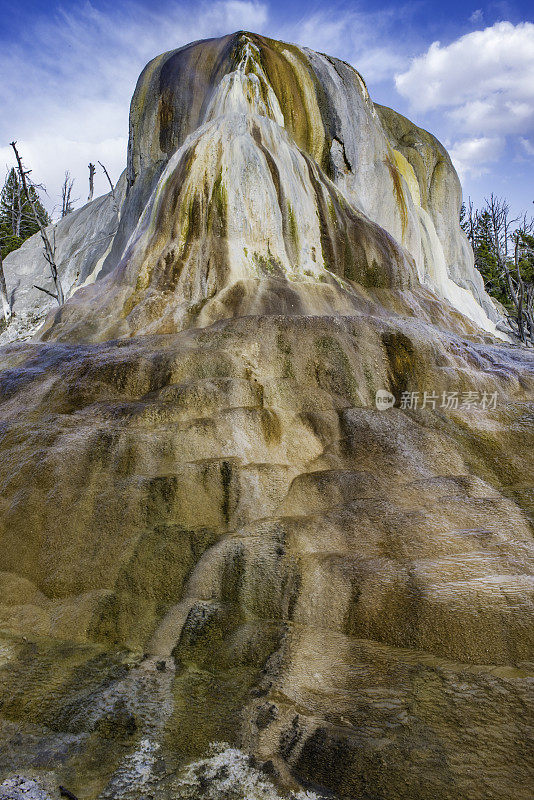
484 82
527 146
365 38
471 156
485 78
67 82
244 14
477 16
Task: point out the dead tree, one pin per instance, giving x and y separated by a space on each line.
520 291
6 305
16 209
509 247
67 203
92 170
471 221
501 227
109 179
525 289
49 252
529 305
14 202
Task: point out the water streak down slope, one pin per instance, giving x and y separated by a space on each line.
209 532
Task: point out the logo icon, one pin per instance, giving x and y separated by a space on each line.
384 400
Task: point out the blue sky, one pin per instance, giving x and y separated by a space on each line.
464 71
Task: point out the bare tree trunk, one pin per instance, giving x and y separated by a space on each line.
18 219
16 207
48 250
6 305
519 294
109 179
20 208
92 170
530 310
13 218
472 218
66 195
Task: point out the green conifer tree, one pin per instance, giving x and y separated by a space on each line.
486 259
17 221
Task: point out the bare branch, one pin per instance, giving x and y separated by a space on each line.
49 251
45 291
109 179
67 204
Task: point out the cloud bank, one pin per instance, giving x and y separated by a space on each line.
484 81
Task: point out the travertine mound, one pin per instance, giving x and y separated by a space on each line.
256 170
209 532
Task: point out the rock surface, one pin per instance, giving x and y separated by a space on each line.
209 532
19 787
82 240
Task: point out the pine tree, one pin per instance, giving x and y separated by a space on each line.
17 221
486 258
526 260
504 255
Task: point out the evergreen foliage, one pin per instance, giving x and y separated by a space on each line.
504 255
17 221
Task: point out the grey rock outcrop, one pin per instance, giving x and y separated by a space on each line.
82 241
19 787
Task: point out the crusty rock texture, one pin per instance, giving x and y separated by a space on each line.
81 241
225 572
